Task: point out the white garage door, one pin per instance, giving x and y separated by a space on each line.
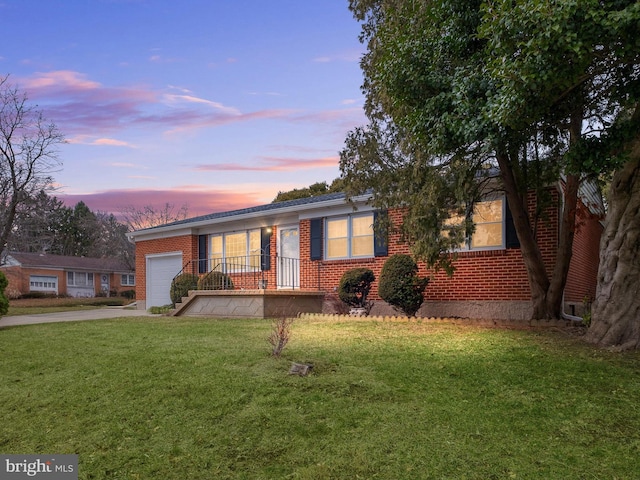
160 272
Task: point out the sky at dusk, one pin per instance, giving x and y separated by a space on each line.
218 104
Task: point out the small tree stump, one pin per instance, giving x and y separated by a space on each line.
302 369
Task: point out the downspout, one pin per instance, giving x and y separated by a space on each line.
564 314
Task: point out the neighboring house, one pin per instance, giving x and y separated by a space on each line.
307 244
66 275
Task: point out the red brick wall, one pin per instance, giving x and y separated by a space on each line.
583 271
187 244
479 275
19 279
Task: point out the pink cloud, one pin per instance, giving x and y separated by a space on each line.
58 79
82 106
85 140
199 202
111 142
271 164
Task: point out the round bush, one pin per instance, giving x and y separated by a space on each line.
355 286
400 286
4 301
181 285
215 281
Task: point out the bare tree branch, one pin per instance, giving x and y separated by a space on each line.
28 154
138 218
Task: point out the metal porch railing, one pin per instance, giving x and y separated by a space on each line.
250 272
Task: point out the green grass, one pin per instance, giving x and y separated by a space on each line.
169 398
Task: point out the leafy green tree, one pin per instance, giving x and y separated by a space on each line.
318 188
79 231
36 225
44 224
534 88
576 64
112 240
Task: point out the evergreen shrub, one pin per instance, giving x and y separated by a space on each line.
215 281
355 286
181 285
400 286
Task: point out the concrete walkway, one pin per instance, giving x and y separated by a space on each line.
74 316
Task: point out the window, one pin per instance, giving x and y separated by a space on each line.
42 283
349 237
128 280
488 217
235 251
79 279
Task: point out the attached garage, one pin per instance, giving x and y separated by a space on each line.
161 269
43 283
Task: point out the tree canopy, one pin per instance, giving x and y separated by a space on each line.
540 91
314 190
44 224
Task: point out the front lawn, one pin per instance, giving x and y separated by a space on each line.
179 398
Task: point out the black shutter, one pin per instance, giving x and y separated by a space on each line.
511 240
316 239
202 253
265 248
380 244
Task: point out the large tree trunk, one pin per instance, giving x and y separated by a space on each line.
616 309
536 272
8 219
546 292
555 293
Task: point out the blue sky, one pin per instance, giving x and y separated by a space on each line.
219 104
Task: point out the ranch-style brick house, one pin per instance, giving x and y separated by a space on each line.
65 275
291 255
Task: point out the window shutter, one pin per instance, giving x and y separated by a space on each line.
511 240
316 239
380 244
265 249
202 253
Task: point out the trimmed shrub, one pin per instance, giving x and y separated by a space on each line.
400 286
215 281
355 286
4 301
38 295
128 294
181 285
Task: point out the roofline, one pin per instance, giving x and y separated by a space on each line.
122 269
248 215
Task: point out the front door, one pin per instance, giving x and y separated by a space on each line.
288 257
104 283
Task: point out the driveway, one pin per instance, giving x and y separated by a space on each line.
75 316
